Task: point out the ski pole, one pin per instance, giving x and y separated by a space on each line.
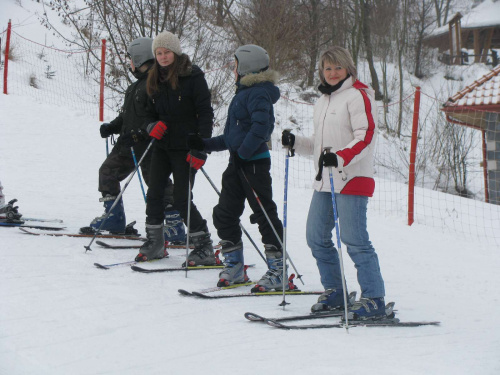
241 225
299 276
87 248
107 147
336 219
188 217
285 209
138 173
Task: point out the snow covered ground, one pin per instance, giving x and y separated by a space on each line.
61 315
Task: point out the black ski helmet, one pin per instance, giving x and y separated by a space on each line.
140 51
251 59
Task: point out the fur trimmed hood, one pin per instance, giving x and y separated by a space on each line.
265 76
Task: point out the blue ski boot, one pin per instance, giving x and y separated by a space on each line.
174 227
331 299
234 271
368 309
116 221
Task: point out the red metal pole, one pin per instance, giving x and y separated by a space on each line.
413 156
6 62
103 71
485 169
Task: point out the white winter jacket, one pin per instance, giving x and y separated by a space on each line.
345 121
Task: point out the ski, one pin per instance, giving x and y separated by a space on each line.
120 264
319 315
168 246
258 294
394 322
215 289
172 269
22 226
3 217
117 236
388 321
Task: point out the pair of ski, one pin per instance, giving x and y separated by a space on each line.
389 320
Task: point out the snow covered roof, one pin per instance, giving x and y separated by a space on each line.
486 14
483 92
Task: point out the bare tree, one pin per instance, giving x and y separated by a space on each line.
442 8
366 8
422 21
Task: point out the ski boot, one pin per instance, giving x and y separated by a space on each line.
174 227
154 247
203 253
368 309
234 271
11 213
331 299
115 223
273 278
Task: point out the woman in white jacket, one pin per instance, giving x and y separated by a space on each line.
345 119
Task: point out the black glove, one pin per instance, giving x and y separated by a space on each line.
287 139
106 130
238 161
134 137
195 142
330 160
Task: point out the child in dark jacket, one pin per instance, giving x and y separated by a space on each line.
182 100
248 128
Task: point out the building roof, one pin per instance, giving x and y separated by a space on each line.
469 106
485 15
483 92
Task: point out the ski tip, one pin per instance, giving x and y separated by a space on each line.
198 294
102 244
275 324
184 292
253 317
100 266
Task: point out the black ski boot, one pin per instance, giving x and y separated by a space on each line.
203 253
154 247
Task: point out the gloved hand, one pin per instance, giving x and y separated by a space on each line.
330 160
157 129
287 139
195 142
106 130
196 159
133 137
238 161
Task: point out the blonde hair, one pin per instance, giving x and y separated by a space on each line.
337 56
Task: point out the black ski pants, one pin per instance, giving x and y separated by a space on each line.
235 190
117 166
165 163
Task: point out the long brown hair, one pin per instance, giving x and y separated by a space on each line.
158 75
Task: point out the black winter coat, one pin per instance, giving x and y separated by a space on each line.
186 110
137 112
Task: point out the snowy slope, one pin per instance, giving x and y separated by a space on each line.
61 315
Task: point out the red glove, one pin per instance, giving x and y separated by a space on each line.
157 129
196 159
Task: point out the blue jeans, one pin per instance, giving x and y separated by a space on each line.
353 233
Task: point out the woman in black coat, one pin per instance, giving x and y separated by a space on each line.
182 99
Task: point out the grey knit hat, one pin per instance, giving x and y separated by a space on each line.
169 41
